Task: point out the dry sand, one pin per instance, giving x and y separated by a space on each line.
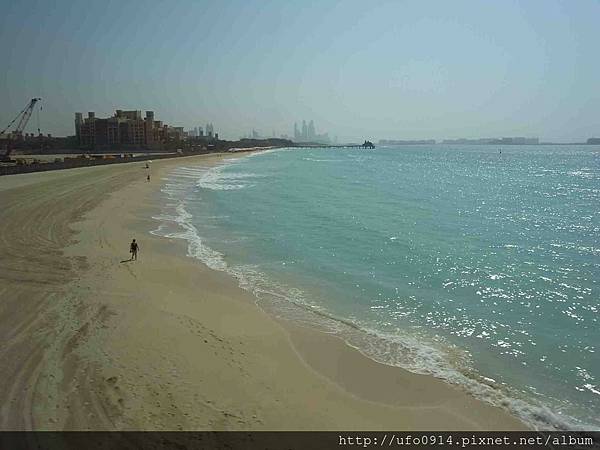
164 343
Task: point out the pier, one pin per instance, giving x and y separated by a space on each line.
365 145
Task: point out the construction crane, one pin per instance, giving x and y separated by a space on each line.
23 117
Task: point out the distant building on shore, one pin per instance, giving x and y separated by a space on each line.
130 129
309 134
123 128
593 141
210 130
197 134
495 141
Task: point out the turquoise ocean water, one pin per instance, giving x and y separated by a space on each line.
478 267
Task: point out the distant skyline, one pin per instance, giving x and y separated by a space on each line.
361 70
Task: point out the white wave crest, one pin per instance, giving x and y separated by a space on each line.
217 179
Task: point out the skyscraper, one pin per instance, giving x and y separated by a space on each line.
78 123
311 131
309 134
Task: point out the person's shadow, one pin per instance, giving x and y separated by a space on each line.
126 260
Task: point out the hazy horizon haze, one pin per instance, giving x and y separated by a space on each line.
360 70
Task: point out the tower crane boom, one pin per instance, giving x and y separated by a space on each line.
23 117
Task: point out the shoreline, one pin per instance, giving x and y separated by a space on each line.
91 159
167 343
289 309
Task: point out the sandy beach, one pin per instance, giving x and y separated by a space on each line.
94 342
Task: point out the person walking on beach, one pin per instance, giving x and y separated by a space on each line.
148 178
133 249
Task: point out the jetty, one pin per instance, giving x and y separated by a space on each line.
365 145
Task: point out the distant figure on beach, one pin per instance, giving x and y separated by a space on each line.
148 178
133 249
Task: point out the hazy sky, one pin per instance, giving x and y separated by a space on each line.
359 69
